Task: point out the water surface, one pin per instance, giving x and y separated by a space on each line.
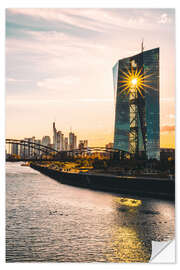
50 222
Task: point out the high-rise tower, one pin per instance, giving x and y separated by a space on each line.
136 86
72 141
54 136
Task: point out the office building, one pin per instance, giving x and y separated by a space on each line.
37 152
72 141
167 154
29 151
46 140
60 141
54 136
14 149
66 146
109 145
83 144
136 89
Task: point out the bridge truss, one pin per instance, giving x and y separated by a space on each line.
28 149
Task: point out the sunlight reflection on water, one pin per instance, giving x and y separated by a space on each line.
48 221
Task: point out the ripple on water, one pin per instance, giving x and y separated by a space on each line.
50 222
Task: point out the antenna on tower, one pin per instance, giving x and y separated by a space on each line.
142 45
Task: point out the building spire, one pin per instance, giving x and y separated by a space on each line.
142 45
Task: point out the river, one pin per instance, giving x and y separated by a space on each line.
47 221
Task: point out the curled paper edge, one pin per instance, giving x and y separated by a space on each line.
163 252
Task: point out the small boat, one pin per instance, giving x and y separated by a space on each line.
25 164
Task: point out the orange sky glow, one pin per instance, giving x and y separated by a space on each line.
59 68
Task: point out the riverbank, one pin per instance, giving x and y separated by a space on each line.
142 186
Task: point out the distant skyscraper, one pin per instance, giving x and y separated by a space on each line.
83 144
72 141
37 151
54 136
60 141
46 140
136 87
66 147
14 149
109 145
75 142
29 152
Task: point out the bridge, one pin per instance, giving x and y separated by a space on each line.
28 150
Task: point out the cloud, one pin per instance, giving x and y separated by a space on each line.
96 100
12 80
58 19
13 100
85 23
164 19
56 83
55 44
167 128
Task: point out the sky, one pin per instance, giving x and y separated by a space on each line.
59 68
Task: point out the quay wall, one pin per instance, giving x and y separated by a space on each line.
146 187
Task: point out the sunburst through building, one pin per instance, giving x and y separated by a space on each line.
135 80
136 85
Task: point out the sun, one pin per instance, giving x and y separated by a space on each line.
134 81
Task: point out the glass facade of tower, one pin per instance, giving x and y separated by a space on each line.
137 118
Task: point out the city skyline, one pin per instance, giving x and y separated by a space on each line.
58 141
59 78
51 134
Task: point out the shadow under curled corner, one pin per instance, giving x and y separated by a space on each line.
163 252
